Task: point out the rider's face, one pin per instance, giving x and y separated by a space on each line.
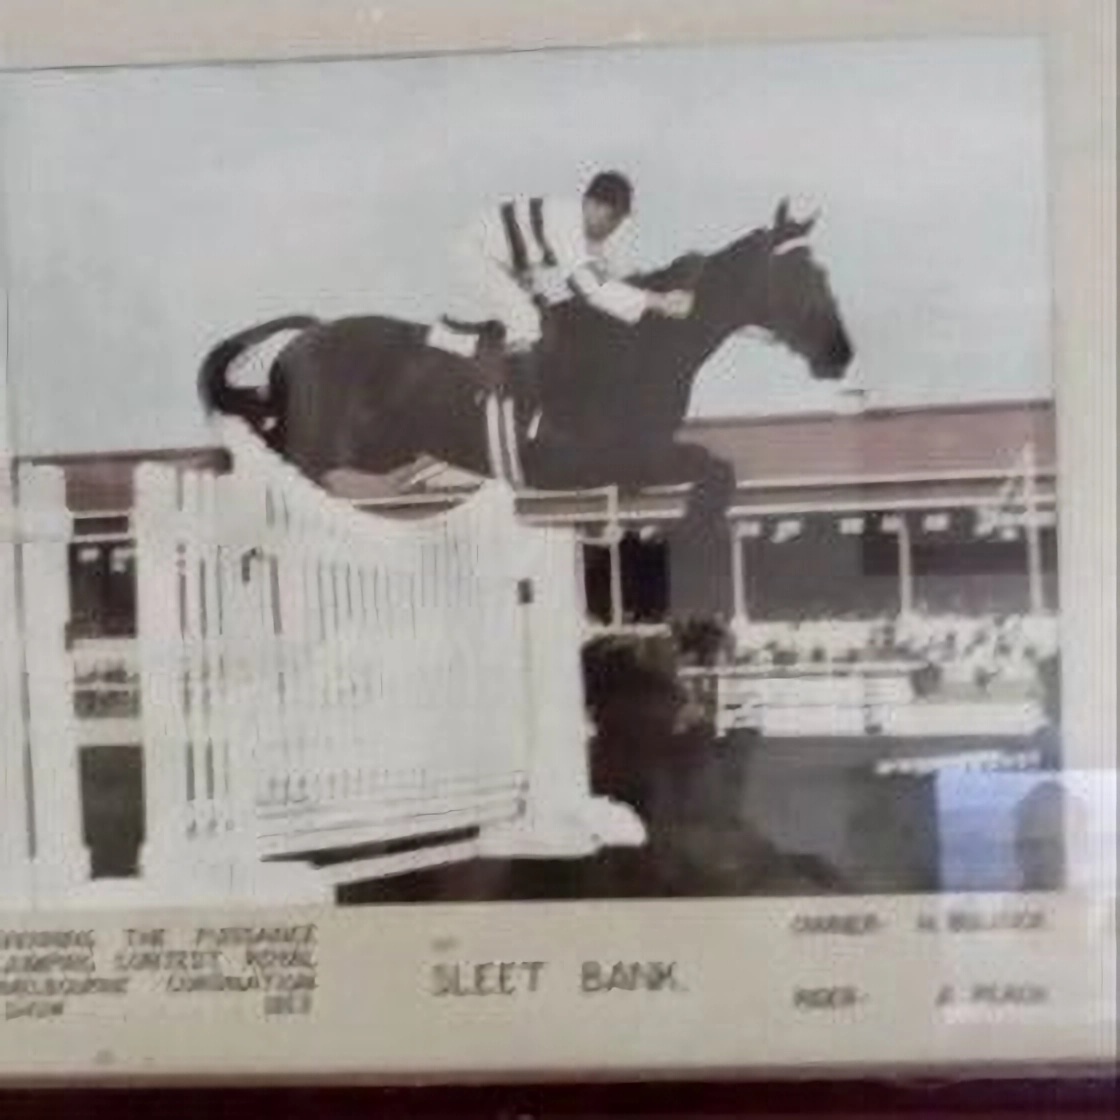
599 220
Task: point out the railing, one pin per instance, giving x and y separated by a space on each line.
854 699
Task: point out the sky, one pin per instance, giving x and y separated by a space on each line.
149 212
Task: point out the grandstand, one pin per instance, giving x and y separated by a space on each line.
925 536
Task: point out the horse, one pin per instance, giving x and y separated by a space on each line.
372 393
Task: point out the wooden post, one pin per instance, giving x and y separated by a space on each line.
614 537
905 567
562 818
738 579
60 857
160 572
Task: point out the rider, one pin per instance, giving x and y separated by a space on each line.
509 252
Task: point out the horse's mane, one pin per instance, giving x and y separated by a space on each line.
685 270
682 271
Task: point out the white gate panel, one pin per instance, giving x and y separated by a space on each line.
315 679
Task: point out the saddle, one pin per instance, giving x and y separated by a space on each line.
496 370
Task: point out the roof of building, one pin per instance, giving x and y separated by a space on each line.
880 442
924 442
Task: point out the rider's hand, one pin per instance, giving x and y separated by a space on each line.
676 305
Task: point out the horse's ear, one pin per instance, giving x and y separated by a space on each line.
787 228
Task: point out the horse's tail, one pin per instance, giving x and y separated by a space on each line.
218 395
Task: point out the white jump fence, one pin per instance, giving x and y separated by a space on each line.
325 694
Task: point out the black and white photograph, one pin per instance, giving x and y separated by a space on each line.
583 474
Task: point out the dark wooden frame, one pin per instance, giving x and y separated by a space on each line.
1097 1094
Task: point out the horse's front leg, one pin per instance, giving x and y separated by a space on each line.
700 555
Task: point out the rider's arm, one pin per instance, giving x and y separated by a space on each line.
615 297
583 272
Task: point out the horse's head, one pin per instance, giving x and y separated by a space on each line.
769 282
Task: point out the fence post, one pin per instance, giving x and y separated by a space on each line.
561 818
249 523
60 857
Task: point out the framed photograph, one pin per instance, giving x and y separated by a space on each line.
561 544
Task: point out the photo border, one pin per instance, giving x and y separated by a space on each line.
1080 44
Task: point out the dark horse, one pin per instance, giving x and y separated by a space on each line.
368 393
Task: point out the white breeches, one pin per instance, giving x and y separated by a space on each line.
485 290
